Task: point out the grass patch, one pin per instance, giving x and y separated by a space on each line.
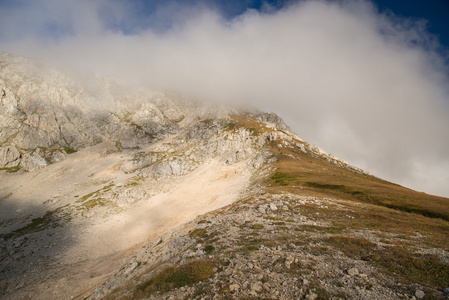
413 268
174 277
279 223
11 169
257 226
94 203
270 243
283 179
209 249
69 150
325 179
353 247
282 228
51 219
198 233
338 187
331 229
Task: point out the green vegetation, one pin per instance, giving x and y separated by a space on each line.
198 233
396 260
52 219
325 179
283 179
413 268
175 277
11 169
330 229
94 199
68 150
209 248
356 248
257 226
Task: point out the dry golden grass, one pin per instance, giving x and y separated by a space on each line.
174 277
318 177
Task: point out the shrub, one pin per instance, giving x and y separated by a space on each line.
209 248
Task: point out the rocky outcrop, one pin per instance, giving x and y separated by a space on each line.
272 119
41 108
33 161
9 157
269 246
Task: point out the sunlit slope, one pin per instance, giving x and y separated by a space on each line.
304 169
316 176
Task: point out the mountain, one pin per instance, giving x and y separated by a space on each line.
109 190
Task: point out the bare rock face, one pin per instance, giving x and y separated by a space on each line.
9 157
273 119
34 161
42 108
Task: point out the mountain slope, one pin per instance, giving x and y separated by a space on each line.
120 192
309 228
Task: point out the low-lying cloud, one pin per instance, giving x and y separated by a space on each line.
365 86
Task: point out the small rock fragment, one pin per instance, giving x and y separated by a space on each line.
257 286
353 272
419 294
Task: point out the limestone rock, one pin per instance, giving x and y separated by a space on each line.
274 120
33 161
9 157
56 156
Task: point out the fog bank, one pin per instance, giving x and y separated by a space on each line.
367 87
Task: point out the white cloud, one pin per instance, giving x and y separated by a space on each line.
344 77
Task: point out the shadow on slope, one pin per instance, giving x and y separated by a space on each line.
33 241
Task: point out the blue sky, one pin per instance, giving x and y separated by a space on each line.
436 12
367 81
141 13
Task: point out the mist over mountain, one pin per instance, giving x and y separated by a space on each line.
201 150
113 190
369 87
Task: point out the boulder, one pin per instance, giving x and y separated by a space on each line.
34 161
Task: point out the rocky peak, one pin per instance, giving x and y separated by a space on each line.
45 115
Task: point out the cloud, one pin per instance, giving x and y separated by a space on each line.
367 87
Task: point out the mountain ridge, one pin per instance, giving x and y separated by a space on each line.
124 201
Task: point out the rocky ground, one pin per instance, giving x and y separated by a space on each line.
276 246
